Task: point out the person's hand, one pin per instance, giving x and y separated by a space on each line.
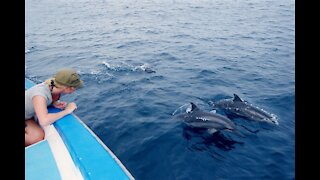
59 104
71 107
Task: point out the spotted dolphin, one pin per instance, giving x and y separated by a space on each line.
213 122
244 109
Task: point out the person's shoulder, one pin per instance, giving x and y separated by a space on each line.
41 87
41 84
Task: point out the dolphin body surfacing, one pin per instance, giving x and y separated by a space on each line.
213 122
244 109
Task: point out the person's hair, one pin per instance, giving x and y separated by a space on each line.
53 82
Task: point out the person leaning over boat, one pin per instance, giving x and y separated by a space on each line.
40 96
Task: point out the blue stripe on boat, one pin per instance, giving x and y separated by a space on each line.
28 84
88 154
35 156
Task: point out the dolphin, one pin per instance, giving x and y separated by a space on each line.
213 122
244 109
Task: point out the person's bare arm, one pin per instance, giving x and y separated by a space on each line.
59 104
41 110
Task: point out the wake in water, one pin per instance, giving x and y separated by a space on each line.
29 50
180 109
127 67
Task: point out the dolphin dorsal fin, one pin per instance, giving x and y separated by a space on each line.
193 106
236 98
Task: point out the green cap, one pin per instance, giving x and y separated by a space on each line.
68 77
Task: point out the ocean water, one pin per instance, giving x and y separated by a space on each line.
141 60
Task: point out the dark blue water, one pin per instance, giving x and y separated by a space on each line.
142 60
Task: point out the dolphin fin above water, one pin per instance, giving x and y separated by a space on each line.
237 98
